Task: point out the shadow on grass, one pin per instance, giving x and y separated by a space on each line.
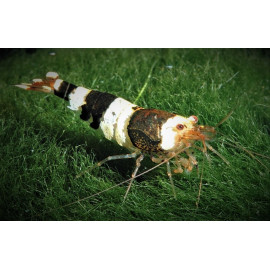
93 143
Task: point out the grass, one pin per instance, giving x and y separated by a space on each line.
44 145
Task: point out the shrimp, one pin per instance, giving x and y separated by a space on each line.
161 135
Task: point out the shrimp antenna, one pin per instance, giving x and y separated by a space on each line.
123 182
228 115
200 186
217 153
251 153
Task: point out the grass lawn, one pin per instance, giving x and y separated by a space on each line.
44 145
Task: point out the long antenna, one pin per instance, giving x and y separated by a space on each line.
125 181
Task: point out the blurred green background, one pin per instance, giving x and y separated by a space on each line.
44 145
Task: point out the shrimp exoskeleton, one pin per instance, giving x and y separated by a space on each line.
165 137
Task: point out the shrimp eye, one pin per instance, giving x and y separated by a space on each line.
180 126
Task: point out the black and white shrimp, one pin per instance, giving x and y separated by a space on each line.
161 135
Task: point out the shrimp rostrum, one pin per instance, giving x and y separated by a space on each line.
164 137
